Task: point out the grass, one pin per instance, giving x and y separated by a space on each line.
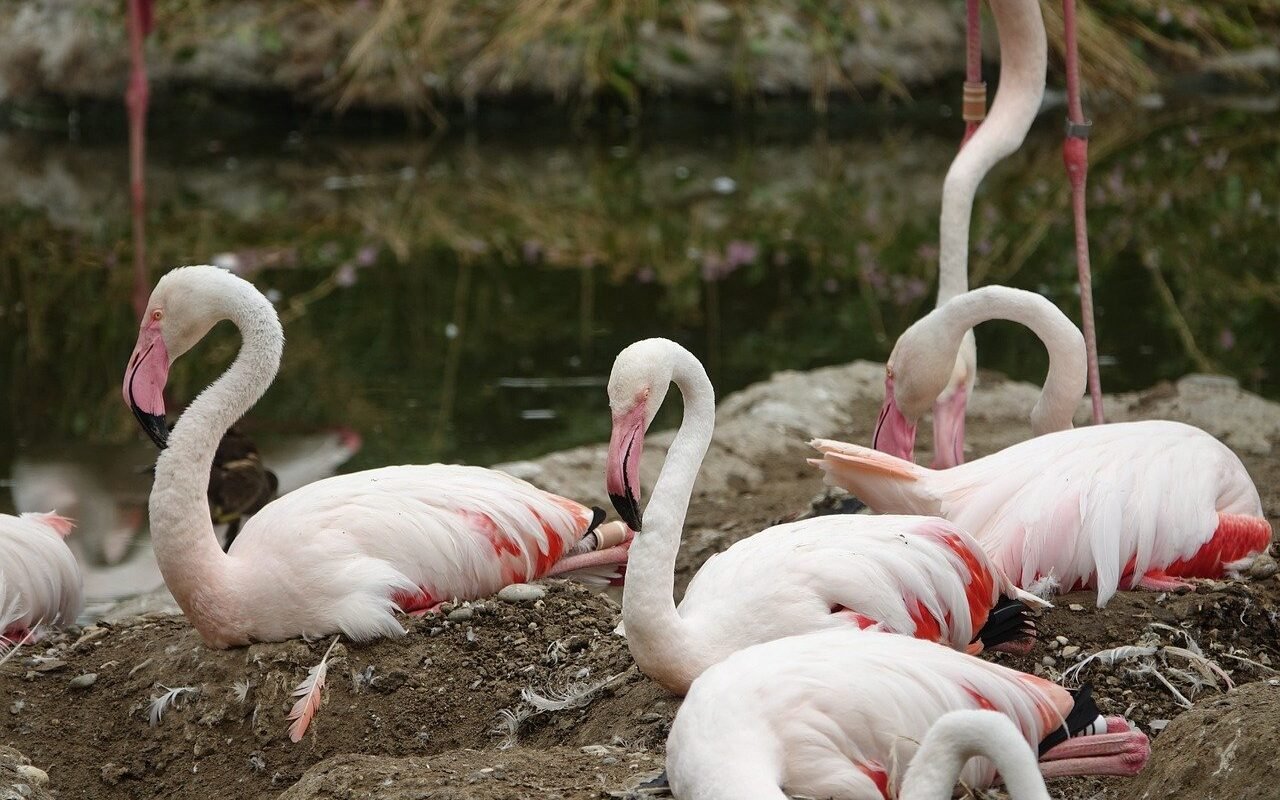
415 54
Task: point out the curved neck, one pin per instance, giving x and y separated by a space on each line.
1023 60
186 547
659 639
962 735
1064 384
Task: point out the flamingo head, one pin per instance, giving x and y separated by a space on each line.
637 386
186 303
931 368
895 433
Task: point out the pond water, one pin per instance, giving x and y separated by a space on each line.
461 297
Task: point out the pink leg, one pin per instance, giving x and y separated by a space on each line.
974 108
616 555
1019 647
1075 155
136 97
1121 753
1155 581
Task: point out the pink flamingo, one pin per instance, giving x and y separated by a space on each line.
917 576
1024 59
343 554
1134 505
841 713
40 581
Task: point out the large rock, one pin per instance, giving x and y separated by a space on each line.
1223 749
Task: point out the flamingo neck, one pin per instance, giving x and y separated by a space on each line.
195 569
1064 384
661 641
962 735
1023 60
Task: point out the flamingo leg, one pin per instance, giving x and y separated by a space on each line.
136 96
1156 581
974 108
1075 156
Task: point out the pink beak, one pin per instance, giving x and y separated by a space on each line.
894 434
144 381
622 470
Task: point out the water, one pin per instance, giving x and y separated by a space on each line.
461 298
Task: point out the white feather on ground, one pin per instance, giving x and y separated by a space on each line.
309 693
155 712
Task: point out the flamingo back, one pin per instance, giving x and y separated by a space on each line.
451 532
40 582
919 576
841 713
1099 506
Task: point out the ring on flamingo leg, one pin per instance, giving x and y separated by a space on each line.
974 105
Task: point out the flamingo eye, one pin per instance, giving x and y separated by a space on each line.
157 315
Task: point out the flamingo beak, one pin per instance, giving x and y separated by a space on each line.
894 434
622 470
144 381
948 429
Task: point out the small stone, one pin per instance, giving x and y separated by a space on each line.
16 706
595 750
1076 607
1157 725
1062 640
460 614
32 775
51 665
521 593
1068 652
1048 661
83 681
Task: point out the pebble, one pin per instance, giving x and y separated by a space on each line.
1076 607
1158 725
83 681
1062 640
1048 661
460 614
32 775
1068 652
521 593
50 665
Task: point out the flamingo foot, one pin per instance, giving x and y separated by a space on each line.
1120 751
1156 581
1018 647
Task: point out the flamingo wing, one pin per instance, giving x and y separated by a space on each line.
40 582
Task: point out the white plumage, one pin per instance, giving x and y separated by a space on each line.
1107 506
40 582
340 555
840 714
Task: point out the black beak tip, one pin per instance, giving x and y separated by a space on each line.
154 425
627 508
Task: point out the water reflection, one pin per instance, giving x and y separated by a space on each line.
462 299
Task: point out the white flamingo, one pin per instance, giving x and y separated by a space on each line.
840 714
342 554
1119 506
40 582
912 575
1023 61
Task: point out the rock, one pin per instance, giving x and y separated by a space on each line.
18 779
1069 651
1075 607
83 681
1048 661
460 614
521 593
1222 749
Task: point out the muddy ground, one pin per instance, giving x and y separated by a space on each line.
447 712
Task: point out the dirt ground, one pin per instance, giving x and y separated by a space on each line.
444 709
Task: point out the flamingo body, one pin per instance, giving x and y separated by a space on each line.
1120 506
343 554
40 583
839 714
918 576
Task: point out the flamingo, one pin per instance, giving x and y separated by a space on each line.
839 714
918 367
1132 505
918 576
1024 59
40 583
958 736
341 555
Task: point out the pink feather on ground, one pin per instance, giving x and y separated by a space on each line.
310 694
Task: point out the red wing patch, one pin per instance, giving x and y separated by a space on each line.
878 776
1236 537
